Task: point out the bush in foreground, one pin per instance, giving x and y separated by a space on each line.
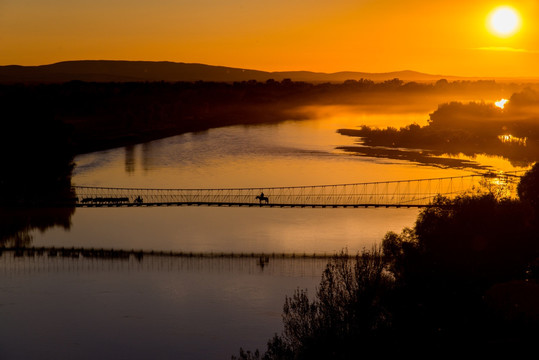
349 305
465 277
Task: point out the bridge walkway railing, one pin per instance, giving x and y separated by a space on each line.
402 193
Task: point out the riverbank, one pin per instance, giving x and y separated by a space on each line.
107 115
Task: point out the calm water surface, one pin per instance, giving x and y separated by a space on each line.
208 310
179 308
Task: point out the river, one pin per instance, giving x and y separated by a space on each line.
205 308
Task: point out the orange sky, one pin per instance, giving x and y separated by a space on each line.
446 37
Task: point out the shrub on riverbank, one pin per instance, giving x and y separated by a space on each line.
465 277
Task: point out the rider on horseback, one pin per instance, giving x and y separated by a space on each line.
261 198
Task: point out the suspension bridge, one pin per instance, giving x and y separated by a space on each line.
401 193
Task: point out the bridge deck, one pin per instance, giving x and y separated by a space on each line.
397 194
235 204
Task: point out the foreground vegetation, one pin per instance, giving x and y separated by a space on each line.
464 278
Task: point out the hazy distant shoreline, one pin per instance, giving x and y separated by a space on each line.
104 115
142 71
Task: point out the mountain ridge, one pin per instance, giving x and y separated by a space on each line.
126 71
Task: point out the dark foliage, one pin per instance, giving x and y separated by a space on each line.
350 304
109 114
465 278
459 250
36 155
528 188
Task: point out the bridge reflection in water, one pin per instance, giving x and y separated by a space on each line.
403 193
51 259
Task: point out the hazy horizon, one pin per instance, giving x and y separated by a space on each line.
408 72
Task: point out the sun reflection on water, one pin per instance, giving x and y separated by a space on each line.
508 138
501 103
501 184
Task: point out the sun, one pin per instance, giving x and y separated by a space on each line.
504 21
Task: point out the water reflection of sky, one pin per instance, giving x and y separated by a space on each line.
286 154
207 229
166 311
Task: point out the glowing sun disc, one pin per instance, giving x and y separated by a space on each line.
504 21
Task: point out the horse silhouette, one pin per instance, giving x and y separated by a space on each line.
262 198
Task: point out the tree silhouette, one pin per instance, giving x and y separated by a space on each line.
464 277
528 188
349 305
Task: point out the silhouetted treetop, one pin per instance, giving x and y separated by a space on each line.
528 187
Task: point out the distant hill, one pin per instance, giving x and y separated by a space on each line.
122 71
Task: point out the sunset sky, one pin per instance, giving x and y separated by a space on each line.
448 37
